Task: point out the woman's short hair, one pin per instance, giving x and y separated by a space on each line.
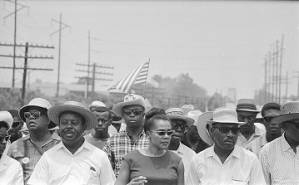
151 122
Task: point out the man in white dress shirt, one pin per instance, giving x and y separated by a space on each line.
280 158
73 161
224 163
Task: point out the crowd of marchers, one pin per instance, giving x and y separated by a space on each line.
131 143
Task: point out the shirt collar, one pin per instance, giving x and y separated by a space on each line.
235 153
84 146
124 132
284 144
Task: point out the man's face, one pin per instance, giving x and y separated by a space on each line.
36 119
133 116
272 127
225 135
179 126
292 129
71 127
248 118
104 121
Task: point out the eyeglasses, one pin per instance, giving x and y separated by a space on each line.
35 114
225 130
163 132
134 111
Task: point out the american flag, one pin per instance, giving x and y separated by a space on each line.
138 76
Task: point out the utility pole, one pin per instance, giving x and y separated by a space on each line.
287 87
26 57
88 64
266 78
280 64
62 26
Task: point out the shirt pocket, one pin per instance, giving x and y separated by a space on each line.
93 178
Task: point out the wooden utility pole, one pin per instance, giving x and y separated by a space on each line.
25 73
280 64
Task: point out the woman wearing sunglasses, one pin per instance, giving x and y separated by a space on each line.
154 165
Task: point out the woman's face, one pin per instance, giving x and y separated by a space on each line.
160 134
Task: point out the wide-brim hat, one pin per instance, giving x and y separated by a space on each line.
226 116
201 124
39 103
247 105
177 113
6 117
289 111
130 99
73 106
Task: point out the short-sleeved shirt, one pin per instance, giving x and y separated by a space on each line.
121 144
11 172
28 154
162 170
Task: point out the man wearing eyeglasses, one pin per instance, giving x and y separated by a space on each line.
252 135
279 157
225 163
29 149
132 110
180 123
270 111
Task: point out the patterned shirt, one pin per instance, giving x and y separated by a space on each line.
121 144
280 163
28 153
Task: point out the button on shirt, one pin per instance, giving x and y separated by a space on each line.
186 154
280 163
240 168
256 141
121 144
28 154
11 172
87 166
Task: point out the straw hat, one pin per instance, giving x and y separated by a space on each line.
34 103
289 111
177 113
201 124
130 99
226 116
73 106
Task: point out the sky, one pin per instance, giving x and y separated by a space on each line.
221 44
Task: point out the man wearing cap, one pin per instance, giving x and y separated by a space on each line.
74 160
180 123
29 149
224 163
132 110
270 111
279 157
252 135
11 172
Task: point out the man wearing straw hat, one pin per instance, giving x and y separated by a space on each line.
11 172
224 163
279 157
74 160
29 149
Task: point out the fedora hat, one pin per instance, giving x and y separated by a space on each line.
177 113
247 105
201 124
73 106
34 103
130 99
6 117
289 111
226 116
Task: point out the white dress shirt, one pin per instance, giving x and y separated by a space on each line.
241 167
280 163
87 166
11 172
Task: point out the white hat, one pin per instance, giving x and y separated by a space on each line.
177 113
6 117
130 99
289 111
34 103
99 105
73 106
194 114
201 124
225 115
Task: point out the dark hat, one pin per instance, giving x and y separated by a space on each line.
246 105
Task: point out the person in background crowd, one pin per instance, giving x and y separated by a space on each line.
180 123
116 121
11 172
74 160
270 111
252 135
225 163
15 130
132 110
29 149
154 165
279 157
154 111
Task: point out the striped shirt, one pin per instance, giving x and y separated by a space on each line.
121 144
280 163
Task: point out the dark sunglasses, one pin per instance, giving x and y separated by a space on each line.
34 115
163 132
226 130
134 111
